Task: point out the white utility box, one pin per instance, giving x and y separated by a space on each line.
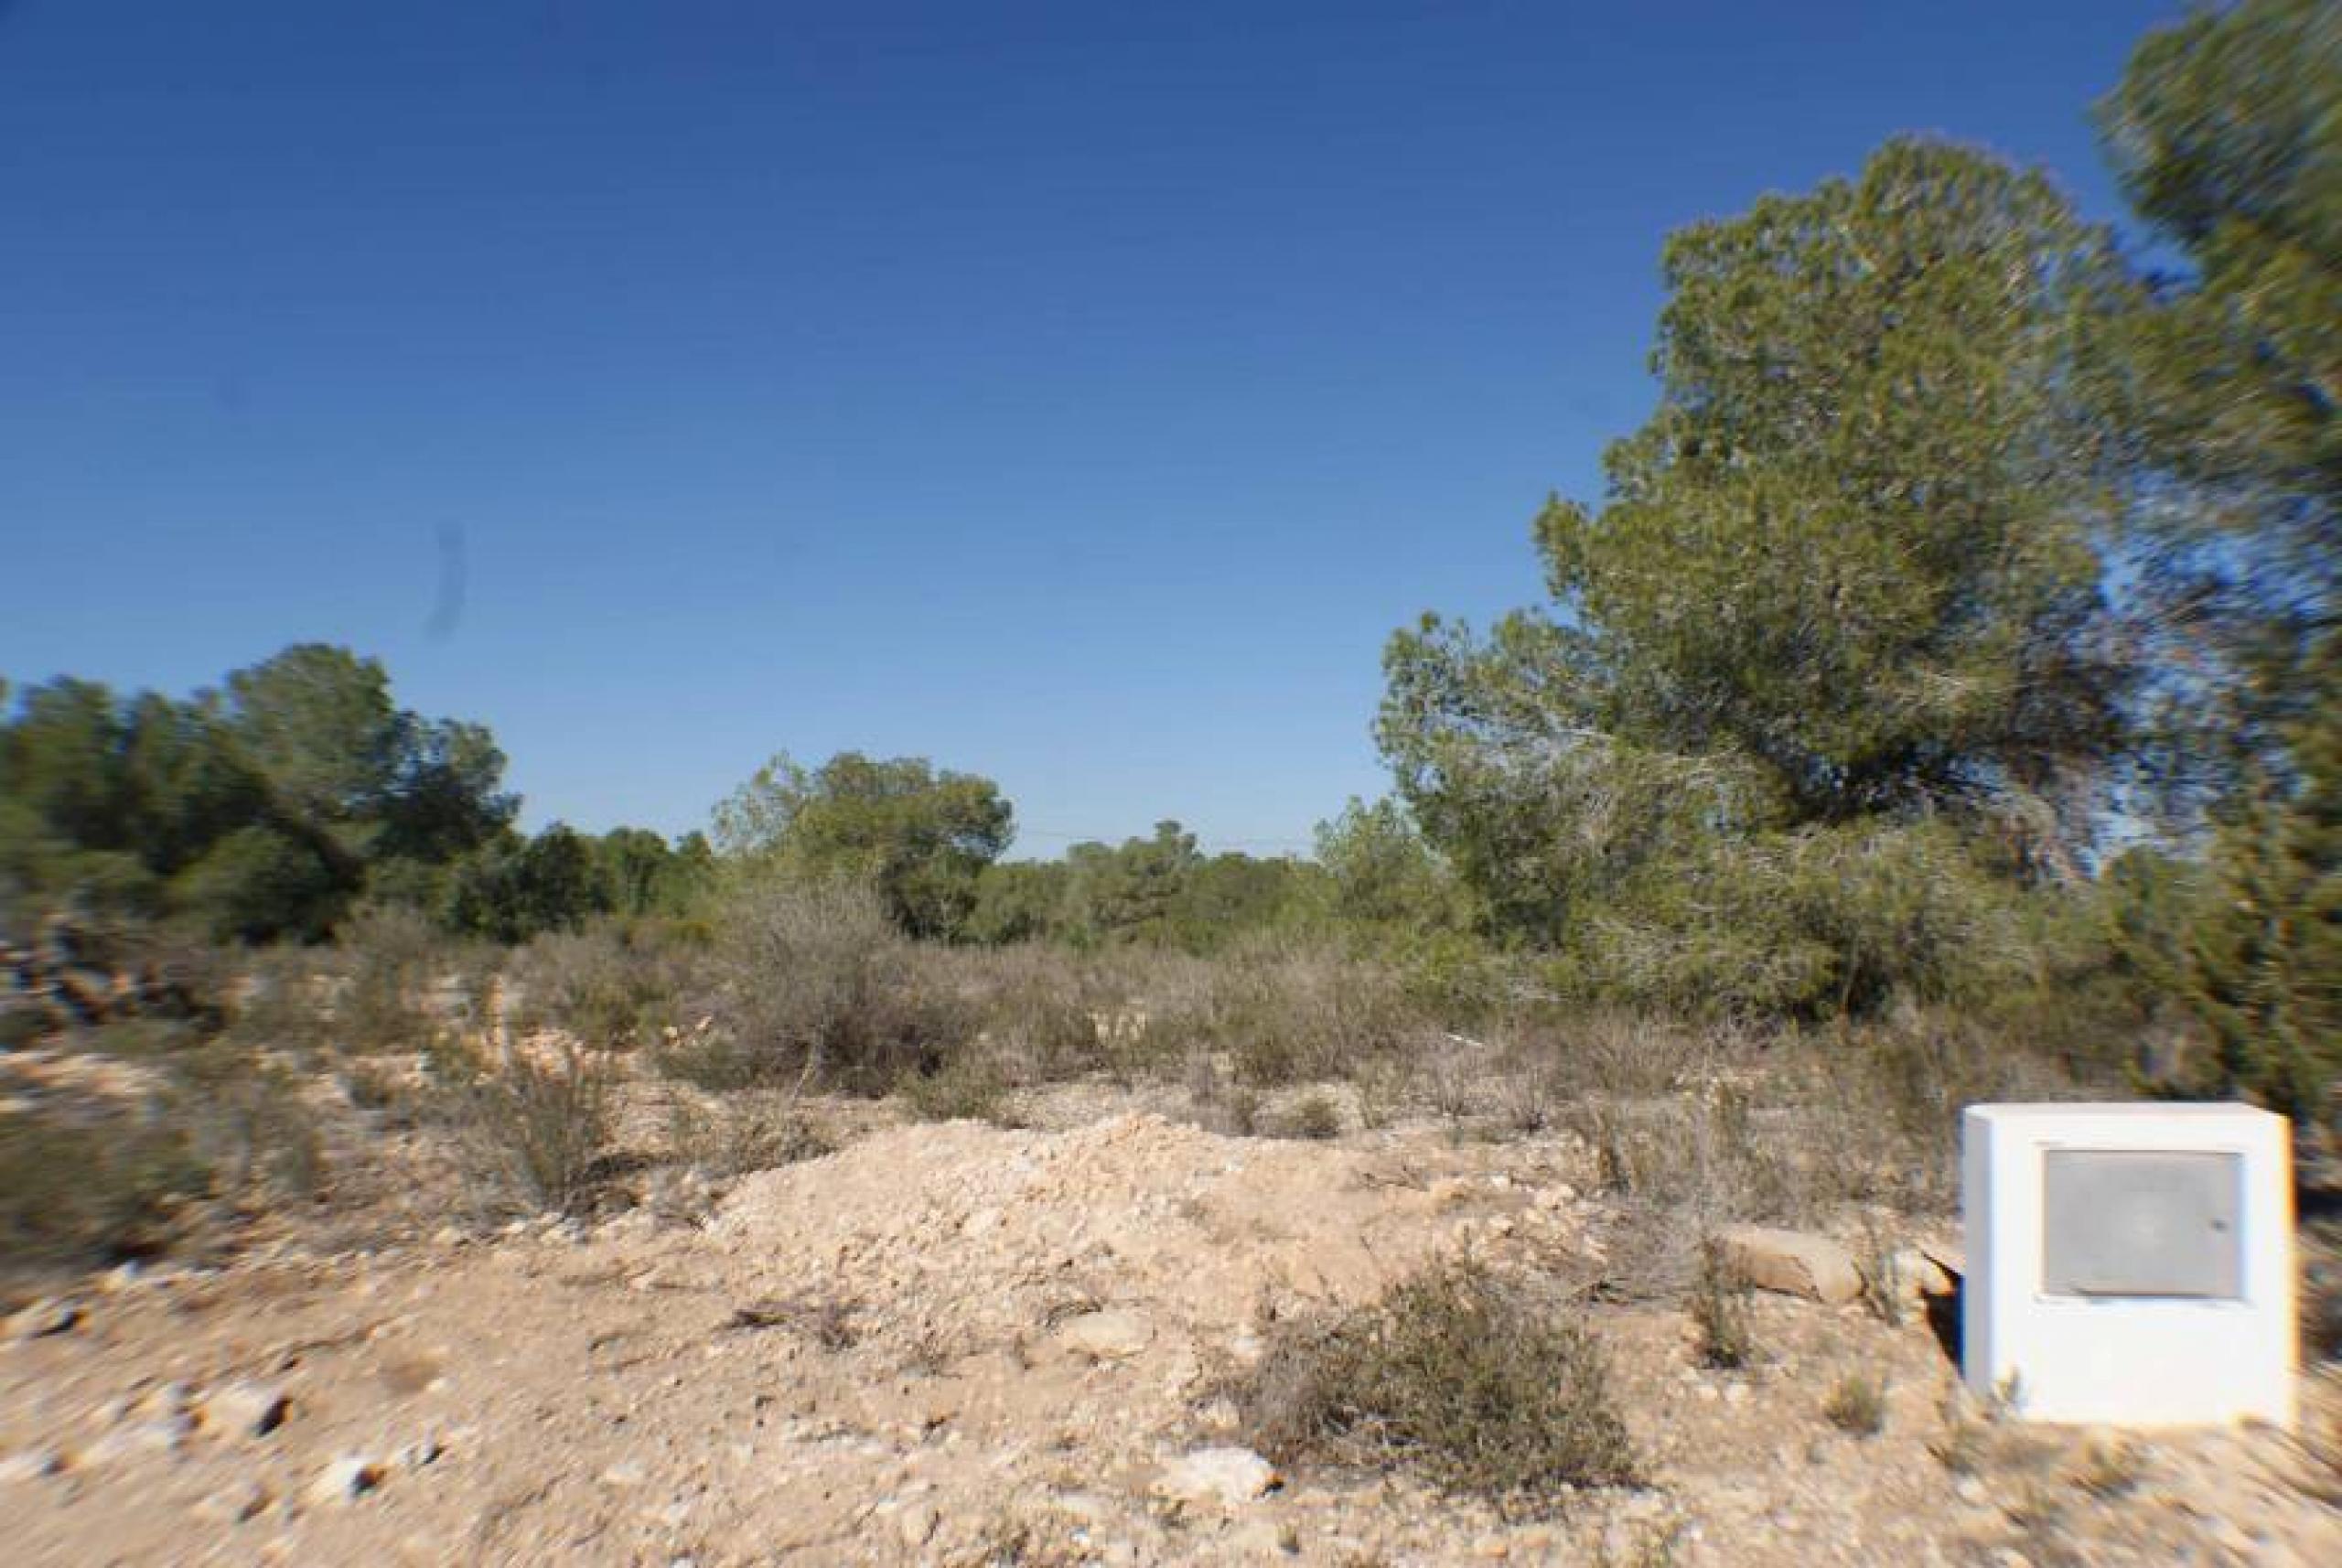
2129 1264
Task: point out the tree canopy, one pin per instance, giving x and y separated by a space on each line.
920 836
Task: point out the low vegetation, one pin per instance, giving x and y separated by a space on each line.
1481 1384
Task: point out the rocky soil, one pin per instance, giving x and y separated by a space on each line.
958 1344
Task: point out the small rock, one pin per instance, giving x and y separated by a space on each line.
42 1319
174 1398
31 1465
1918 1276
161 1435
915 1525
1792 1263
245 1408
420 1453
234 1503
1107 1336
1492 1548
350 1477
625 1473
1224 1475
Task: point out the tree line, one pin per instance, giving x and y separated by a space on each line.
1961 626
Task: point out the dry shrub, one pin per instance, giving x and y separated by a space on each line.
534 1135
1857 1405
1317 1115
1478 1384
89 1183
968 1086
392 987
244 1118
613 987
1047 1013
1285 1015
746 1131
1720 1307
283 1002
819 988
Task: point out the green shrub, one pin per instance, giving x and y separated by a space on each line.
1470 1380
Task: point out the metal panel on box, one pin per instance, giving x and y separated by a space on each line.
2142 1222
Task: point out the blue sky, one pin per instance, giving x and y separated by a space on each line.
1077 393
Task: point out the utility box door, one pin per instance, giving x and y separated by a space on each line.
2122 1222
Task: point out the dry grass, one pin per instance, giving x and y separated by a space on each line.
534 1135
88 1185
1471 1380
1720 1308
818 988
1857 1404
749 1131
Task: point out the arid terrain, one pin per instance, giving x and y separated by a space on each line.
960 1343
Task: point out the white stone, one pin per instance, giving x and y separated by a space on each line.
31 1465
42 1319
1793 1262
161 1435
244 1408
2151 1360
1107 1336
350 1477
234 1503
1226 1477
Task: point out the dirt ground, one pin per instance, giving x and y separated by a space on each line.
959 1343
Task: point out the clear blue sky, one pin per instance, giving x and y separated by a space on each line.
1078 393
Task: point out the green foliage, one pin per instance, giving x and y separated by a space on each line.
1382 881
1130 893
2226 132
922 838
1158 891
258 811
2262 966
1843 583
1019 901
